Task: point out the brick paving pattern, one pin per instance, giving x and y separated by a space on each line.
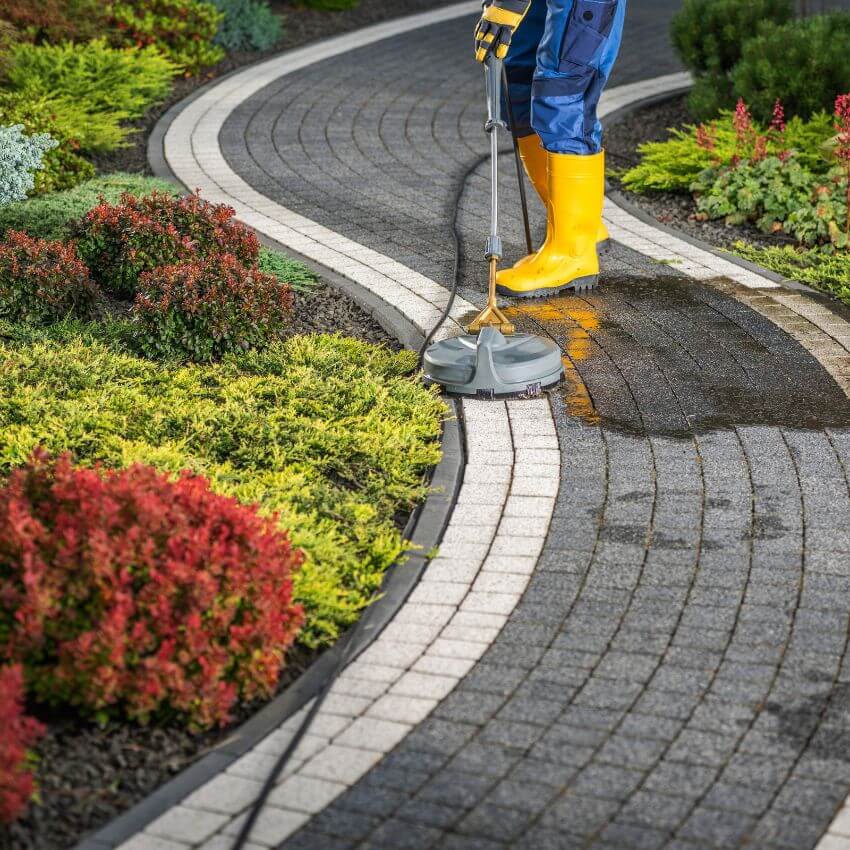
674 675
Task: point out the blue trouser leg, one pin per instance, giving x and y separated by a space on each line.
578 48
521 63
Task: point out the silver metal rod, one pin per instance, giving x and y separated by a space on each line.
494 182
493 80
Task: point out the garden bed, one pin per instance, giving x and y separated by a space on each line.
88 774
775 195
653 123
309 411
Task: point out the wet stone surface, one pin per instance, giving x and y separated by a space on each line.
675 675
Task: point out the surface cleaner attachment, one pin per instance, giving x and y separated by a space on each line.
491 359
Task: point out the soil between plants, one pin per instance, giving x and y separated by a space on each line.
676 209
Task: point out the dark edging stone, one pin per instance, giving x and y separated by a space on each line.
620 199
424 530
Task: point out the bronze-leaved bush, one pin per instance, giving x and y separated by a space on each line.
120 242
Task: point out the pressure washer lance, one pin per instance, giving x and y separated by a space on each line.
491 360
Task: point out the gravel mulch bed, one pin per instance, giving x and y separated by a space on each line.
651 124
326 309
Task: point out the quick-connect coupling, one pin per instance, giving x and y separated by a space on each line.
493 249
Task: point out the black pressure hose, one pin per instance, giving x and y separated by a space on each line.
286 755
460 188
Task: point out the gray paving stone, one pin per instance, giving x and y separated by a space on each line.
674 649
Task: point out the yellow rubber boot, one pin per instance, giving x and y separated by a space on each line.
568 258
534 161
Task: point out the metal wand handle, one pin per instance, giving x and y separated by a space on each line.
492 316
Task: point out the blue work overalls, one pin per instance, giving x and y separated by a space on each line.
558 65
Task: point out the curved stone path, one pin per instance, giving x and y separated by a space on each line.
654 654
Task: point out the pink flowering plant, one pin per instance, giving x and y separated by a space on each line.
768 184
842 147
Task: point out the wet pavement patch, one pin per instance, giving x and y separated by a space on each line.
671 357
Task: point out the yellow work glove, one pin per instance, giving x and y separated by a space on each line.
497 26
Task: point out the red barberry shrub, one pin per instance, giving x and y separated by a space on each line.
41 281
17 733
56 20
203 310
120 242
128 591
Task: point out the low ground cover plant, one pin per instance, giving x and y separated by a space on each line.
131 591
120 242
829 272
296 275
50 216
43 282
17 734
21 156
332 434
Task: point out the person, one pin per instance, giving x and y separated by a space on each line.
558 57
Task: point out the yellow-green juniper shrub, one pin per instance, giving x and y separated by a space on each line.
332 433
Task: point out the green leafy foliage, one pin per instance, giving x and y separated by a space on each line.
710 37
778 196
333 433
826 271
804 63
675 164
296 275
764 192
49 216
98 78
247 25
202 310
183 29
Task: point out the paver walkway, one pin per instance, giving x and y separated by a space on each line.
675 673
